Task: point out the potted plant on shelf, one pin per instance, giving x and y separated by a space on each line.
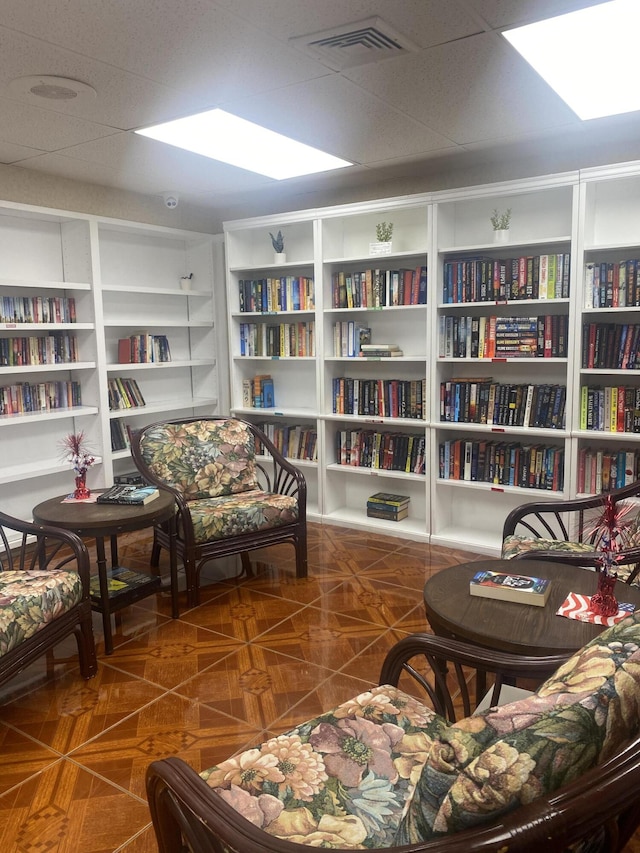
384 233
278 247
501 223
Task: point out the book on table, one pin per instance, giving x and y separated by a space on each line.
522 589
130 495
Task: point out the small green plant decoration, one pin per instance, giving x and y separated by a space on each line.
384 231
278 242
501 221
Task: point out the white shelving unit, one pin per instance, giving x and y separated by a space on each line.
250 258
610 236
549 216
345 238
124 277
468 507
318 245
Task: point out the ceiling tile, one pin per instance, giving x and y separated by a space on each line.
42 129
468 91
425 22
502 13
341 118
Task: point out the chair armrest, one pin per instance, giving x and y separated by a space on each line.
543 518
443 680
287 478
42 546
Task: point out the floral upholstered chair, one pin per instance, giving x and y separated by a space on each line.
392 770
44 595
567 531
226 501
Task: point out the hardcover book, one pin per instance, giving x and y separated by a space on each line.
388 499
132 495
522 589
386 514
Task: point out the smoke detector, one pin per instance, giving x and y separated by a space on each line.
360 43
44 87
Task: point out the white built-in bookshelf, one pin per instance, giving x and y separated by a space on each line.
118 279
499 347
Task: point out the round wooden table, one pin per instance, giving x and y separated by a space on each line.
93 520
509 627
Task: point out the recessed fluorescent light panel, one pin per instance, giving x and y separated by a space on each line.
589 57
225 137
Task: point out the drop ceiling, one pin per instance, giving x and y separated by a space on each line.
456 93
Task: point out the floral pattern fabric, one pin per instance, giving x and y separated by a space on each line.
220 518
30 599
383 769
202 459
340 780
485 766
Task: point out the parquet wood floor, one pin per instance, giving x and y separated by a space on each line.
256 657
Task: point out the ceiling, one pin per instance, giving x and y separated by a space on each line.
458 94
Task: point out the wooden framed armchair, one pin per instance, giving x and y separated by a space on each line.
404 766
226 501
44 595
566 531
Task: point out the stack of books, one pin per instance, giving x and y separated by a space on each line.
388 506
380 350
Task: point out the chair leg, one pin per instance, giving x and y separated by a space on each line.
154 562
301 555
86 647
246 564
191 573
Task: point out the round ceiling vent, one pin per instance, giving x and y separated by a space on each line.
37 88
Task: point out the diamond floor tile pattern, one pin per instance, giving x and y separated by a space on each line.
259 655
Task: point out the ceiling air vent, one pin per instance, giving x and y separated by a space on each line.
355 44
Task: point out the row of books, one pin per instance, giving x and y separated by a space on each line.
613 408
258 392
545 336
483 401
54 348
384 398
124 393
287 293
143 349
612 284
388 451
505 279
604 470
284 340
377 288
503 463
388 506
119 436
39 397
611 346
37 309
296 441
348 338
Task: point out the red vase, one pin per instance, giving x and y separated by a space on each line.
604 602
81 492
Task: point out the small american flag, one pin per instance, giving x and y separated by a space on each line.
576 606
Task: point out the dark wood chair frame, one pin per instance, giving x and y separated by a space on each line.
571 521
49 548
187 814
286 479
